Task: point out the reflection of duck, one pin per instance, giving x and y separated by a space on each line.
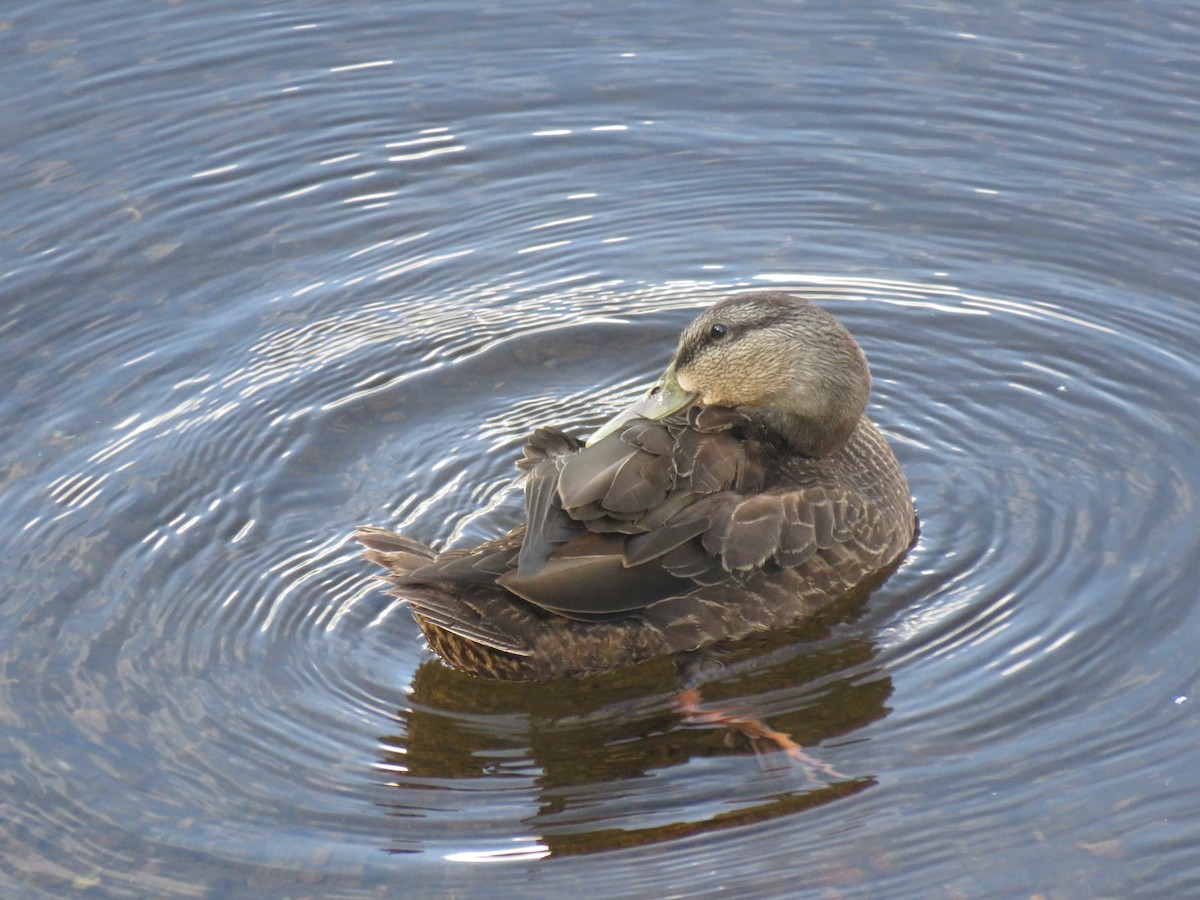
747 491
572 758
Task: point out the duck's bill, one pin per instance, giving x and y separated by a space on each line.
660 401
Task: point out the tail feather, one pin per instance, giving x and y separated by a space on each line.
391 551
483 620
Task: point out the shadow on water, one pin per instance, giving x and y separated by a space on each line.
575 742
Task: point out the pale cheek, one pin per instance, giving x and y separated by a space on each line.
710 395
747 391
744 378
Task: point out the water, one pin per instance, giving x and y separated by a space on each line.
269 271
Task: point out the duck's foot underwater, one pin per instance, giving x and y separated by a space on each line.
688 705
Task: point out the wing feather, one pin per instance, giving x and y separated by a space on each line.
655 510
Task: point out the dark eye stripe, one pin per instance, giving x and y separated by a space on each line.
718 331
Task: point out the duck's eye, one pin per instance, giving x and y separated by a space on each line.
718 331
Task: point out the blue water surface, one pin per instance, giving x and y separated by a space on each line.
269 271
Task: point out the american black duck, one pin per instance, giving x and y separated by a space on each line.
745 492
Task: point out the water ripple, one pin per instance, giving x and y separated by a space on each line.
266 278
271 677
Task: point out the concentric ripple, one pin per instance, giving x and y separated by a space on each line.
240 651
268 272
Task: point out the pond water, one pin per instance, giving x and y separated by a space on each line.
269 271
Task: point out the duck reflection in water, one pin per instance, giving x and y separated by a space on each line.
744 494
584 746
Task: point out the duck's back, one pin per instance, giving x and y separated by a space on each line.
664 537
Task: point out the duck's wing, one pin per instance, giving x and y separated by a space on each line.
717 530
571 560
783 528
660 508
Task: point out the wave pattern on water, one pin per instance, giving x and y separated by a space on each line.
272 678
267 274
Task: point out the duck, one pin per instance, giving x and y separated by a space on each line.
744 493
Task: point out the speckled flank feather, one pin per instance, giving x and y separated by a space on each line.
668 535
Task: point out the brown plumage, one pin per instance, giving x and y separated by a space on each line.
746 492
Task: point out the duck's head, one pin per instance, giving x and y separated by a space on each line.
779 359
